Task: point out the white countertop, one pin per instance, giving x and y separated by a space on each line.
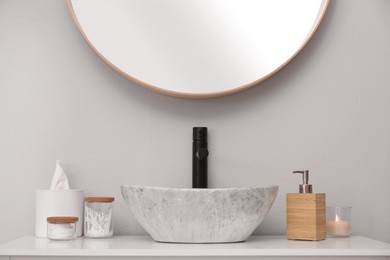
145 246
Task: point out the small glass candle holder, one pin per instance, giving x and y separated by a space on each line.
338 221
61 228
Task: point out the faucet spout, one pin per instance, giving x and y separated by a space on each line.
199 157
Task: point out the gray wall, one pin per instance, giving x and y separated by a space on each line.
327 111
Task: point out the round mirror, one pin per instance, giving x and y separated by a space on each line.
197 48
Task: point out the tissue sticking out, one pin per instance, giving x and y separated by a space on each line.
60 180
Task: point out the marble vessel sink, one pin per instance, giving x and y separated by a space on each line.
199 215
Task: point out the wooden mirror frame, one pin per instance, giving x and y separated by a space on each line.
320 15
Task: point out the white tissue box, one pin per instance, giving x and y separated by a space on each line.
50 203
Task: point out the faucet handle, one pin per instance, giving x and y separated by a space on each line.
202 153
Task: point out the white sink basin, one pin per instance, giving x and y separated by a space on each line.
199 215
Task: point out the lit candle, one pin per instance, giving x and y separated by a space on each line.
338 227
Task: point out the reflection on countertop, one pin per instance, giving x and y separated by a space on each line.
145 246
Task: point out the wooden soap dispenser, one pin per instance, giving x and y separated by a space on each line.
306 212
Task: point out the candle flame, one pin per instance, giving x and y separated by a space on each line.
337 219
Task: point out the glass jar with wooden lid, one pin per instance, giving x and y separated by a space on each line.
61 227
98 217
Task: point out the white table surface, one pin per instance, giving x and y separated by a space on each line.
145 246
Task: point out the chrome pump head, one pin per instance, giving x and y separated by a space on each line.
305 187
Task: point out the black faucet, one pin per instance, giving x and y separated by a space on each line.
199 157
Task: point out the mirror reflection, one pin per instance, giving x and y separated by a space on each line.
197 48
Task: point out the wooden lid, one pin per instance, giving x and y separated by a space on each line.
99 199
62 220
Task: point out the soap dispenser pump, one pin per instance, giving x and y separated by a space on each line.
306 212
305 187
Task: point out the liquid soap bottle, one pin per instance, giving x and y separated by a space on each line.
306 212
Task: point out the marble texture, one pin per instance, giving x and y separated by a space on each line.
199 215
